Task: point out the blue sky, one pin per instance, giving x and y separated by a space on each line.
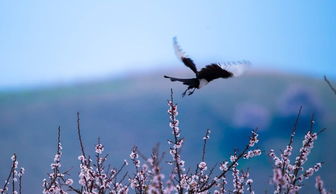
45 42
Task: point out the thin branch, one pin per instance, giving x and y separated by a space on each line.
10 174
291 139
205 138
13 177
124 177
71 187
321 131
329 84
229 168
176 157
210 173
312 122
295 127
20 181
118 171
79 135
56 169
58 139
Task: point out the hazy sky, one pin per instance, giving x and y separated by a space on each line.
59 41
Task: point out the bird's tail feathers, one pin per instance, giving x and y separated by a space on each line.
174 78
171 78
185 81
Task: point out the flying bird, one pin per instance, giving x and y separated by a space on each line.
207 73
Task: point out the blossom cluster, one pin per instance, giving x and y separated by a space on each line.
203 179
14 178
55 181
94 177
287 176
252 153
144 174
319 185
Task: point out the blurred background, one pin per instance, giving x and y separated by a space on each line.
106 60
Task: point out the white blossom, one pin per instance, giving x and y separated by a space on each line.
202 166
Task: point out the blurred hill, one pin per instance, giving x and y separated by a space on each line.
133 111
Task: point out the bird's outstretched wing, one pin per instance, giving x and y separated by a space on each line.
181 55
227 70
213 71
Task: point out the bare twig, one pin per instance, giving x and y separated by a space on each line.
294 127
205 138
312 122
321 131
329 84
79 135
118 171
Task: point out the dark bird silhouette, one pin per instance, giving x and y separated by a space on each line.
208 73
